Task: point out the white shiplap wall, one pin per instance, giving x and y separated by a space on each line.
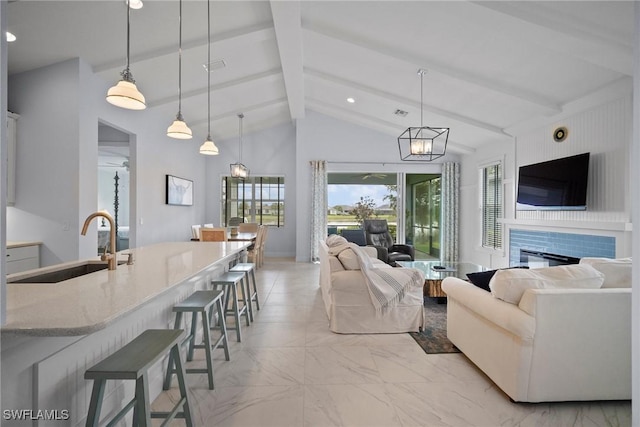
605 132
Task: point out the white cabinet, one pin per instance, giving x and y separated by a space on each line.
12 138
23 258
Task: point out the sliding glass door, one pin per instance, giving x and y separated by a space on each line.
423 208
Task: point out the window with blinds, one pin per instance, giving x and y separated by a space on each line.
492 206
256 199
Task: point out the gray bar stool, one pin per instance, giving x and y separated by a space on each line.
248 269
230 281
132 362
200 302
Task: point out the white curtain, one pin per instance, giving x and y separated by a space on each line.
318 206
450 211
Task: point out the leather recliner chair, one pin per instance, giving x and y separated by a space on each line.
377 234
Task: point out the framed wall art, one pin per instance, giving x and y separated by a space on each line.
179 191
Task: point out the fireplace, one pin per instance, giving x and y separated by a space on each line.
536 259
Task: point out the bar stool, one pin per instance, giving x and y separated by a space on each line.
200 302
231 280
248 269
132 362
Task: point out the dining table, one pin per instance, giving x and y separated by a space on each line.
241 237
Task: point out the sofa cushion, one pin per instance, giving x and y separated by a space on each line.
335 264
349 259
510 285
335 240
617 272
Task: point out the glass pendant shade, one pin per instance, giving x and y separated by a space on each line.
125 94
421 146
179 129
209 148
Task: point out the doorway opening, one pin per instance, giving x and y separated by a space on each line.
114 184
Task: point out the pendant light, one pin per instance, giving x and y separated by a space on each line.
179 129
125 94
423 143
238 170
209 147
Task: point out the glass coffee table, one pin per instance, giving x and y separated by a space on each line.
433 275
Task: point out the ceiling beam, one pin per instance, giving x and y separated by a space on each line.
246 109
566 34
269 74
287 23
372 122
442 71
315 74
239 37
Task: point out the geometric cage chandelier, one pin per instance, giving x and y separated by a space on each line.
238 169
424 143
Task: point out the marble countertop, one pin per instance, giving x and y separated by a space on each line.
12 245
85 304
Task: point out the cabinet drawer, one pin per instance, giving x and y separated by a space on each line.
24 252
22 265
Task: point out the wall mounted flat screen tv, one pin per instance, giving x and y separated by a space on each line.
559 184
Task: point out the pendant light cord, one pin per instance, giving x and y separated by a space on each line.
240 116
180 63
126 73
209 67
421 101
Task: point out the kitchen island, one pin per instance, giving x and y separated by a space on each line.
55 331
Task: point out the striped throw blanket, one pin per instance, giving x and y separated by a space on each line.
387 286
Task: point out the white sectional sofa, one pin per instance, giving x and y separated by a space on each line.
554 343
348 302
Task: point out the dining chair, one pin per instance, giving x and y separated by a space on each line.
248 227
253 254
213 234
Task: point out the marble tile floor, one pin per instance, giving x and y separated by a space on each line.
291 371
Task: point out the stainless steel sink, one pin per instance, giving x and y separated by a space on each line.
65 273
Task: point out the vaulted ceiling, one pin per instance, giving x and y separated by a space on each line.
490 66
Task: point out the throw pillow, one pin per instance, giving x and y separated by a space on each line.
481 279
617 272
510 285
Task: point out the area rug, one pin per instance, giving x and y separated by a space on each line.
433 337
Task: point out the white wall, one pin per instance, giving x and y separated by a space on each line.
600 124
268 152
57 158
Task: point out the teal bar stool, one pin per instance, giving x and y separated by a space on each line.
248 269
200 302
132 362
229 282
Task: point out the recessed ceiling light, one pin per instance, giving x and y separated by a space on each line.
10 37
135 4
351 100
